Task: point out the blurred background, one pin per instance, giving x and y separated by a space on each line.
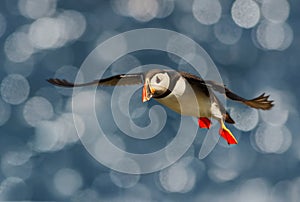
255 46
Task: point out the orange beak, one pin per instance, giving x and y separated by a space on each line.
147 92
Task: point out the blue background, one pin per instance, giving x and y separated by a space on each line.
264 166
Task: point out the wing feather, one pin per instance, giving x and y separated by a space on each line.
260 102
118 80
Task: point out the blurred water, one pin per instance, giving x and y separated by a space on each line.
227 31
254 44
5 112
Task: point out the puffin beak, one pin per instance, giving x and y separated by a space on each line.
147 92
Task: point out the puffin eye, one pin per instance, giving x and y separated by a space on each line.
158 80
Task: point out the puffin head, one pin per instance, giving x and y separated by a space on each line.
156 83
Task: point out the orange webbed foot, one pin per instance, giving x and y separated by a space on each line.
227 135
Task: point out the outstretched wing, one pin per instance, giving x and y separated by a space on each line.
260 102
118 80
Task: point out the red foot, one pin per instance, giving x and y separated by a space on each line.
204 122
227 135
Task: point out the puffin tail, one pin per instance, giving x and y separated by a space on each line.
228 118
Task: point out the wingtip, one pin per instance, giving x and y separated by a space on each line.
60 82
50 80
261 102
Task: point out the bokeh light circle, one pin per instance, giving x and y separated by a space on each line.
67 181
14 89
245 13
36 9
275 10
96 142
207 12
17 47
227 31
246 118
37 109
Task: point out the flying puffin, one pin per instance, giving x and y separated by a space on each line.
183 93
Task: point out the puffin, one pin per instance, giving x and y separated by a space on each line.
182 92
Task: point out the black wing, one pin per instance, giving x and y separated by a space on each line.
260 102
118 80
197 81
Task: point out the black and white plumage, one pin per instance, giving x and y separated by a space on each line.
182 92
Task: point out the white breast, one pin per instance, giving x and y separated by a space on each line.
180 88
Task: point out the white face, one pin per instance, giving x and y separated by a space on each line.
160 82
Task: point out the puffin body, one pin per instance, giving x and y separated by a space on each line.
183 93
186 99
